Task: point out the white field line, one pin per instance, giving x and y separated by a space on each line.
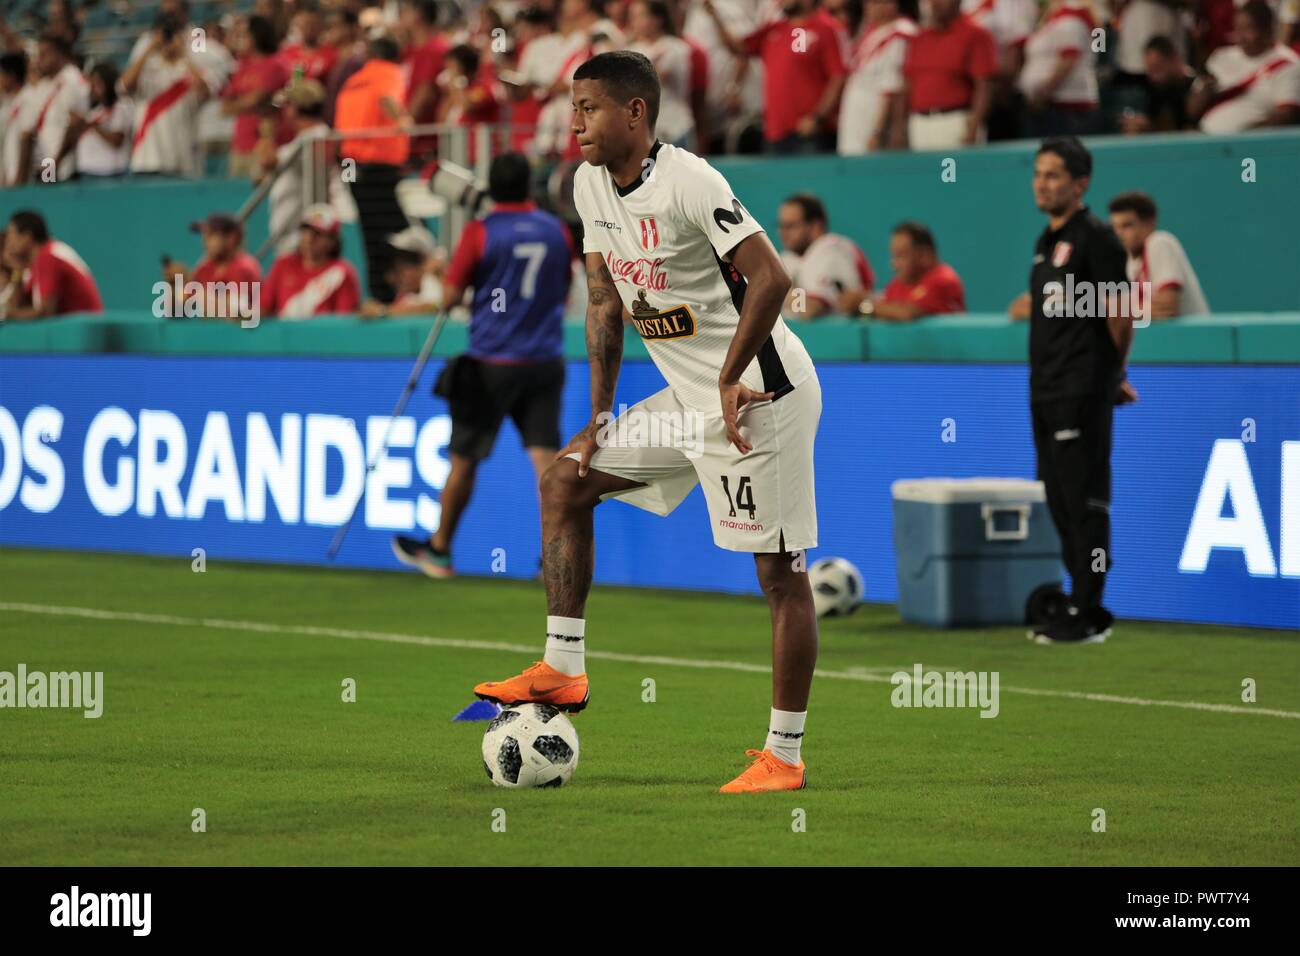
874 675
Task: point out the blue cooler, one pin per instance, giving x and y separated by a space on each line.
970 551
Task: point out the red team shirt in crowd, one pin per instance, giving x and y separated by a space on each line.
316 64
938 291
58 273
423 64
242 268
942 65
292 291
793 79
265 73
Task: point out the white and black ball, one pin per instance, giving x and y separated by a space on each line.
530 745
836 586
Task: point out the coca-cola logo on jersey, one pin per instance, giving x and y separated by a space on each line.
643 272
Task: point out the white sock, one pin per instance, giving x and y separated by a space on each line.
565 648
785 735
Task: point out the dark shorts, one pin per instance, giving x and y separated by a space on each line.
484 393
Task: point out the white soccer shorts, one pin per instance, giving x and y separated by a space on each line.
762 502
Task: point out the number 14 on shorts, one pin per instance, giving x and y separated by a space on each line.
744 497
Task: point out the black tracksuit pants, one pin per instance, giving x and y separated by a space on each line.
1072 438
380 215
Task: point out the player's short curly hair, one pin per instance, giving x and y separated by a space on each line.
626 75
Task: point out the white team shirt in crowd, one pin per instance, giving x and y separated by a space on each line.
68 93
555 121
20 116
1066 31
1141 20
875 71
742 18
1010 21
166 127
1251 87
218 65
285 200
665 239
95 157
831 264
1163 263
671 57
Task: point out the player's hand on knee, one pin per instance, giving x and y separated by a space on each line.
584 444
735 396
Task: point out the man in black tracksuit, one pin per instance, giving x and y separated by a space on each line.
1079 336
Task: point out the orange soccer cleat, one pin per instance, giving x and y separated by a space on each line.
539 684
766 774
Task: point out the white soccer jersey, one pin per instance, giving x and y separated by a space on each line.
1066 32
69 93
875 71
22 112
671 57
95 157
1139 21
1010 21
666 239
743 19
1163 263
831 264
1250 87
166 124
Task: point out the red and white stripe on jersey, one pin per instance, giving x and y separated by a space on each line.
166 130
1066 33
831 264
58 273
873 42
1010 21
649 235
1250 87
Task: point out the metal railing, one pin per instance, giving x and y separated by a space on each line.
316 160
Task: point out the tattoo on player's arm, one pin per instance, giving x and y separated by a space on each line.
604 335
600 285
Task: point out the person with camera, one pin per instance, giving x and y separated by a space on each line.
517 260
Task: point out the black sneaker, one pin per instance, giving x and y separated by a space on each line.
1090 628
1038 630
420 554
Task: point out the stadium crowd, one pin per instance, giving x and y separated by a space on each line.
240 89
737 75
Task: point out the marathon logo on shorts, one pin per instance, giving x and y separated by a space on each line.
651 323
740 525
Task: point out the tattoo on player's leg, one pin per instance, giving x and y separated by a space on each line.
567 565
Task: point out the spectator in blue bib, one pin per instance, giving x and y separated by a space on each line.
517 259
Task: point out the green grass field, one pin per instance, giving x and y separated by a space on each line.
223 692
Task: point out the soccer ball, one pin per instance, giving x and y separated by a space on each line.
836 586
531 745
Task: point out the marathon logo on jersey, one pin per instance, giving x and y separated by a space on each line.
1061 253
651 323
649 234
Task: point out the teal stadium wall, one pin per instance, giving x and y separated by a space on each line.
1243 237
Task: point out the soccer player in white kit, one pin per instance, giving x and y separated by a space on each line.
665 238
